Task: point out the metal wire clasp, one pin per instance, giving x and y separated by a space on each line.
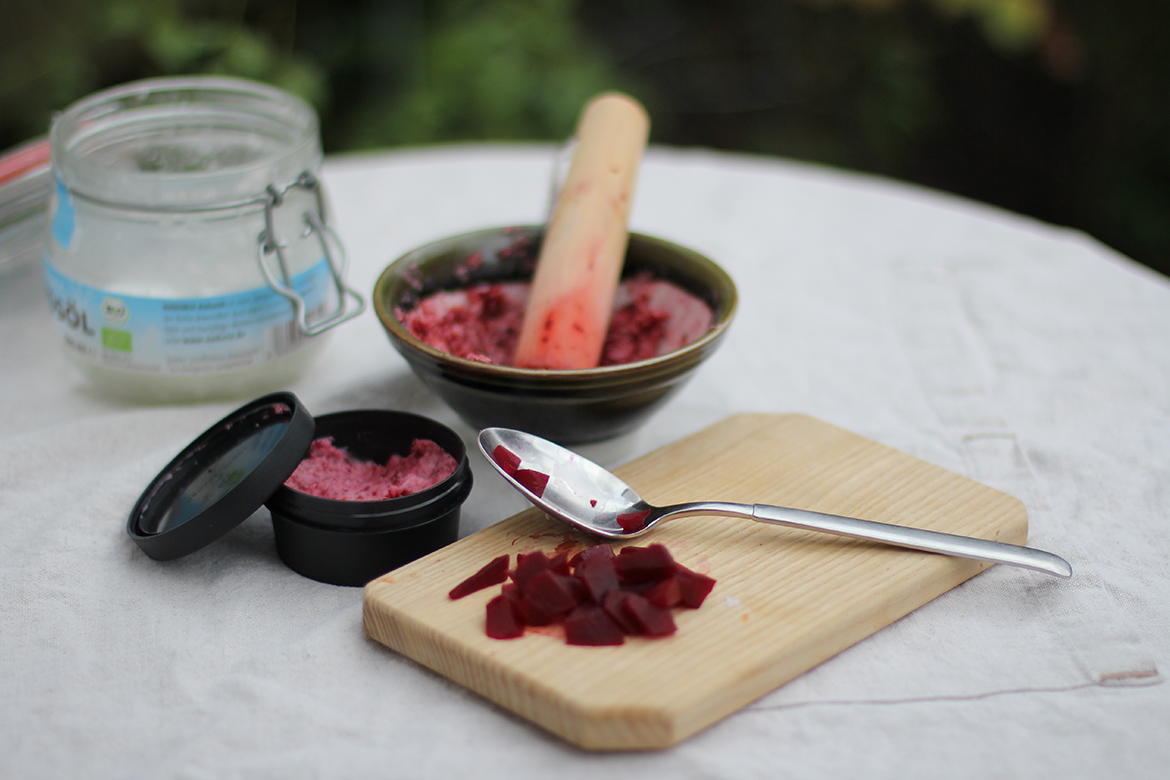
349 303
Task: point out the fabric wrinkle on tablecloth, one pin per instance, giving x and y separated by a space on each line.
1004 630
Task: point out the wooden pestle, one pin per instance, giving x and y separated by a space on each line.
584 246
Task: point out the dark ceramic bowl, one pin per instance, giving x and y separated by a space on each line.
567 406
353 542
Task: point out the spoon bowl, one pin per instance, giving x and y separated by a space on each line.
581 493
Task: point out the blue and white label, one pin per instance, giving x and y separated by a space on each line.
183 335
62 227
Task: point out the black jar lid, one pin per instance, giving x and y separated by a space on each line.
222 477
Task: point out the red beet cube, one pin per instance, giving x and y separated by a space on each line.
637 565
495 572
614 604
589 625
512 592
577 588
652 619
534 481
528 564
506 459
546 597
666 593
502 620
693 587
560 564
598 575
532 613
633 521
597 550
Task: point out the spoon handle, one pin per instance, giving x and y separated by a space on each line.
916 538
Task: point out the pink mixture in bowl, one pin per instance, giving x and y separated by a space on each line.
482 322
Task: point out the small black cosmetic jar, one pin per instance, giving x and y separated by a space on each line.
243 462
353 542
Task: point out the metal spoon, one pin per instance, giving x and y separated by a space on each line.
587 496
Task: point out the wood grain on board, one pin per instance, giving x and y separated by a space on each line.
784 601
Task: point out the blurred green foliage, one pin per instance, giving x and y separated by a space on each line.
1053 108
53 52
499 70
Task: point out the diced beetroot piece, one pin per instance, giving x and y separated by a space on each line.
502 620
665 593
633 521
495 572
602 550
534 481
598 575
590 625
577 588
614 604
652 619
528 564
560 564
536 555
511 591
568 584
644 564
693 587
533 613
506 459
547 596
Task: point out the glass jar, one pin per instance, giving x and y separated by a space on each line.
189 255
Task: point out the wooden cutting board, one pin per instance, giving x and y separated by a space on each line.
784 601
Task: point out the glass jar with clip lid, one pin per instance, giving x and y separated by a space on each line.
190 256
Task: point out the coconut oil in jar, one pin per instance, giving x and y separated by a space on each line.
190 256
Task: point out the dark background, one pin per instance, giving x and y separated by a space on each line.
1058 109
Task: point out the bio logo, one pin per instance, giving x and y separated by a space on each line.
115 312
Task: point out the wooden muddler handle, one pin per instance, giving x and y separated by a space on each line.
580 261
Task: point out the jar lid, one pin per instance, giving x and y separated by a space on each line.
183 142
222 477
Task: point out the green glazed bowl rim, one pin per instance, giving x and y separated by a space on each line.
679 360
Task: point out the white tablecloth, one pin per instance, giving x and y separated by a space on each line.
1028 357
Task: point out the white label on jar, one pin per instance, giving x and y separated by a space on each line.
183 335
